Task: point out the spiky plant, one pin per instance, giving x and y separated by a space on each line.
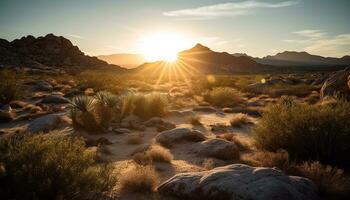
83 113
105 107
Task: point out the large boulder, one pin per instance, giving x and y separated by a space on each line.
45 123
337 84
239 181
179 134
218 148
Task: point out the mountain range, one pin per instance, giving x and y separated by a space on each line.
59 52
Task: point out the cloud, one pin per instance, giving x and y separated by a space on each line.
74 36
321 43
226 9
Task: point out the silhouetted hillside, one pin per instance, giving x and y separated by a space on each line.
47 51
292 58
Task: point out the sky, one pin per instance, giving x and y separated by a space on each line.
255 27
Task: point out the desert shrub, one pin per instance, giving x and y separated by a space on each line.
331 181
306 132
51 166
83 113
223 97
106 106
144 106
142 158
160 154
140 179
240 120
9 87
134 139
195 120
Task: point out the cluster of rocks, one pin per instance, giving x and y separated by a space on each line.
45 54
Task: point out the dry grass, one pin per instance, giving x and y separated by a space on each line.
160 154
330 181
241 144
154 153
240 120
223 97
279 159
140 179
142 158
195 120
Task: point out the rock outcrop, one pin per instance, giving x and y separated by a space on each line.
337 84
179 134
239 181
48 51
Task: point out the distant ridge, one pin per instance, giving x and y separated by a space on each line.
48 51
293 58
124 59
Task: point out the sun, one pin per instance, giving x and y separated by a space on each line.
163 46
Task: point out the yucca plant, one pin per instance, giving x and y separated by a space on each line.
106 106
83 113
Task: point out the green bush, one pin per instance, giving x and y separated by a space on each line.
307 132
144 106
223 97
51 166
9 87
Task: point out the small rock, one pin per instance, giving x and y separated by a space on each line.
99 141
55 99
227 110
218 148
207 109
121 130
179 134
6 114
43 86
18 104
45 123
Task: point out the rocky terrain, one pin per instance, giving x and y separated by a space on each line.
209 145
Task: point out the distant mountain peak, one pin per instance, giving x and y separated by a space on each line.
199 47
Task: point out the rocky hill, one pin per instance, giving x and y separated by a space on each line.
48 51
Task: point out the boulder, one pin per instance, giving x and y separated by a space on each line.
218 148
43 86
239 181
55 99
179 134
6 114
121 130
45 123
160 124
337 84
207 109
